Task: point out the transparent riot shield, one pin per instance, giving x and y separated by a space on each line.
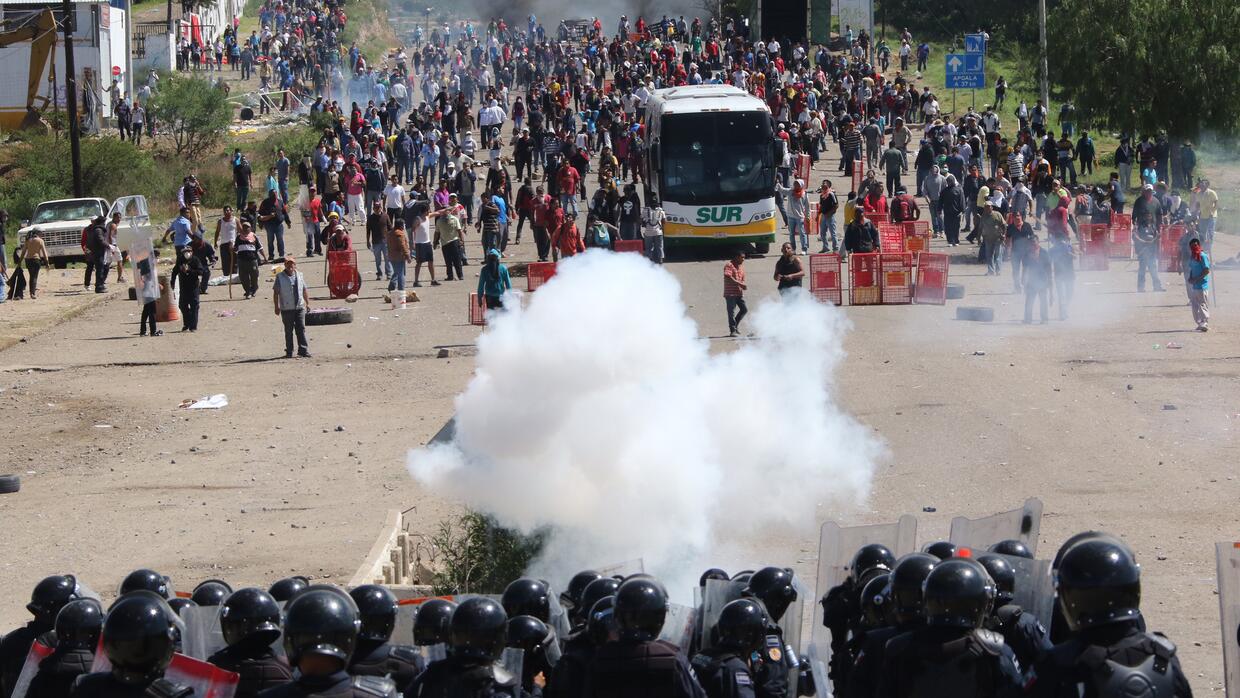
38 652
432 653
1018 524
207 680
201 636
678 627
508 668
717 594
135 220
145 275
1228 557
406 612
836 547
559 615
790 625
1034 591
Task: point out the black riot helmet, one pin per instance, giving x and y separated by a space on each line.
526 633
601 622
289 587
712 573
741 626
78 625
873 556
1003 575
138 637
50 595
479 630
250 614
571 598
958 594
376 606
1067 545
1011 547
144 579
211 593
605 586
527 597
179 602
1098 582
640 608
906 581
773 587
433 623
742 577
943 550
875 602
320 621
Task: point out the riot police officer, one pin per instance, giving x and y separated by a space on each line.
1109 654
211 592
527 597
49 596
943 550
1060 630
723 669
571 597
432 628
638 663
375 654
1011 547
250 622
777 665
1020 630
952 655
146 580
568 677
320 634
530 635
284 590
77 635
138 640
839 607
904 592
478 632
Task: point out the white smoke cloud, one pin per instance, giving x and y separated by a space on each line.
598 412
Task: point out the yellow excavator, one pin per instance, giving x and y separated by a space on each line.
40 31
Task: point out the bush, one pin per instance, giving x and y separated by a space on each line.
196 113
110 168
475 555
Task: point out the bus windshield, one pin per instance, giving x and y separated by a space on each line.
717 157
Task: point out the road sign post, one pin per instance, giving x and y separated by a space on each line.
965 71
975 43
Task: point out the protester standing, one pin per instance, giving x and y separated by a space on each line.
1199 284
225 241
249 250
1062 259
273 215
734 288
377 226
788 270
291 300
34 255
493 282
1037 281
397 245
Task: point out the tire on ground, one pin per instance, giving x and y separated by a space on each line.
9 484
329 316
955 291
975 314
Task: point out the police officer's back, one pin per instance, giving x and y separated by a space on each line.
530 599
1020 630
1108 654
320 634
77 635
479 628
638 664
250 622
375 655
138 639
777 665
905 613
840 607
724 668
952 656
48 597
571 674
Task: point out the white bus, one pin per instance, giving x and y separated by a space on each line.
711 161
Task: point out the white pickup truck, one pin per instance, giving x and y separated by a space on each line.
60 223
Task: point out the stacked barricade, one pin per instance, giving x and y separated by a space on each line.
891 237
897 277
1120 246
825 282
538 273
931 284
1169 247
1095 246
803 168
875 217
477 313
916 236
864 279
638 246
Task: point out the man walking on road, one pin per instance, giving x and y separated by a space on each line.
1199 284
734 291
291 300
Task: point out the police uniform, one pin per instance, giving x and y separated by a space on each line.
1022 632
723 674
336 685
775 665
863 677
400 663
568 676
839 611
652 669
942 662
58 671
105 685
13 650
1110 661
259 668
457 678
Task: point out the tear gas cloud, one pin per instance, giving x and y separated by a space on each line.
597 412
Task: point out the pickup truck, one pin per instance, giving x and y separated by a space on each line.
60 223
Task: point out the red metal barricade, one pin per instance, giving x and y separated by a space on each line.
638 246
897 277
916 236
1169 247
858 165
891 237
875 217
477 313
824 278
931 278
538 273
1120 244
803 168
863 279
1095 246
343 278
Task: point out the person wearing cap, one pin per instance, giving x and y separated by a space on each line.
291 301
1147 221
1205 206
493 282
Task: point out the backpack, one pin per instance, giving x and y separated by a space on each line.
600 236
902 210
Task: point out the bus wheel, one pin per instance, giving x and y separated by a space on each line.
762 247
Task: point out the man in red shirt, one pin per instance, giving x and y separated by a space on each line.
569 179
734 291
542 240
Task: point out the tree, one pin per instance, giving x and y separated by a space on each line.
1142 66
196 112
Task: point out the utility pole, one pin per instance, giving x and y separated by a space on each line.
75 135
1043 72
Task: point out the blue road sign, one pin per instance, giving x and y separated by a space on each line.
965 71
975 43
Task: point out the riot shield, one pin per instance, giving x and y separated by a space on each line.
207 680
679 625
625 569
1018 524
406 611
1034 591
145 275
836 547
201 636
432 653
717 594
790 624
559 615
38 652
508 668
1228 557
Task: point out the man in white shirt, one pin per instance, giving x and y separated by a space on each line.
653 219
394 199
